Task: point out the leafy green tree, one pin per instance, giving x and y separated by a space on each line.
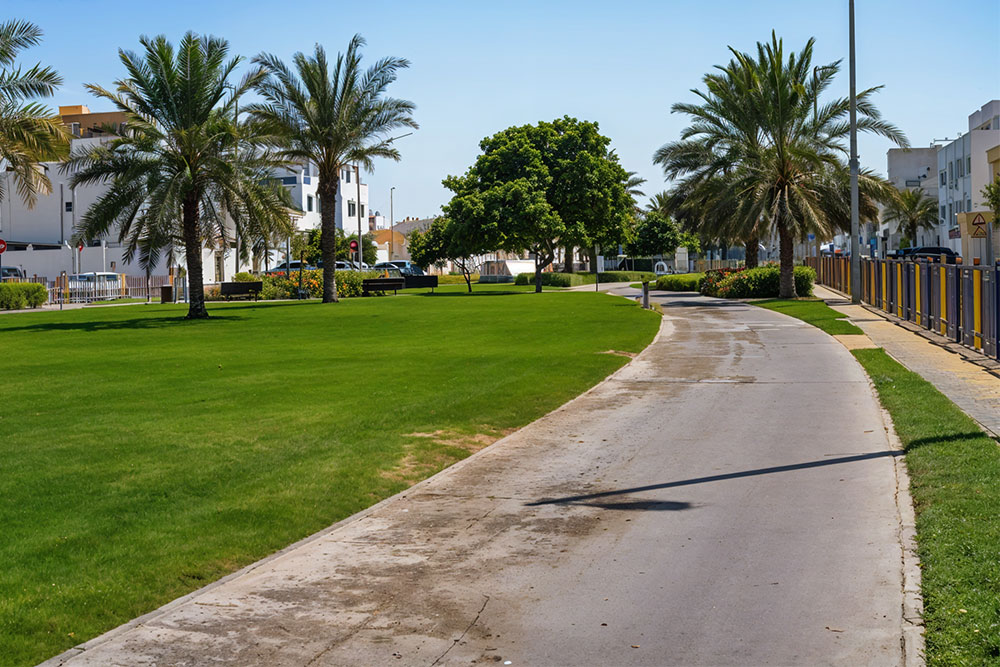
444 241
333 119
991 196
656 234
757 150
537 186
29 132
183 169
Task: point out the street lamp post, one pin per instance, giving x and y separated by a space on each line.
357 179
391 223
855 233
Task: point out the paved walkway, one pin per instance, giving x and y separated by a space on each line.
969 386
727 498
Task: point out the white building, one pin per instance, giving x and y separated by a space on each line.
303 184
963 169
40 238
912 169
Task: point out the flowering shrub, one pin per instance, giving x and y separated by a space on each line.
348 284
709 285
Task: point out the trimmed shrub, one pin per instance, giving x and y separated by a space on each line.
574 279
680 282
244 277
15 296
763 283
555 279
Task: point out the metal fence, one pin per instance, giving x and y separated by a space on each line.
104 287
959 302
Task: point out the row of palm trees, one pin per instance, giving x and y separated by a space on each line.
764 156
191 165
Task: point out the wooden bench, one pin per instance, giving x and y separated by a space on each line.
369 285
248 290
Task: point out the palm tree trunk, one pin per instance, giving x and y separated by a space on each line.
786 282
192 253
753 252
328 234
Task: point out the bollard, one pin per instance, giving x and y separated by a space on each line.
645 294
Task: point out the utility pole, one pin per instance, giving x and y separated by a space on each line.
357 179
855 233
391 224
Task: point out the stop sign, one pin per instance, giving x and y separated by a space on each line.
354 245
3 245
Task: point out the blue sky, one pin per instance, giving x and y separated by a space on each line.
478 67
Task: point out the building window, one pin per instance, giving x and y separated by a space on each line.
961 169
289 180
958 206
943 218
351 209
944 178
968 165
968 205
309 203
951 172
69 207
347 175
362 210
949 213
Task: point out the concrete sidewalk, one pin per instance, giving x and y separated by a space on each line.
728 498
971 387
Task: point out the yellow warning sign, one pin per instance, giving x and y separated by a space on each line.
979 227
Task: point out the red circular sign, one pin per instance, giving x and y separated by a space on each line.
3 245
80 247
354 245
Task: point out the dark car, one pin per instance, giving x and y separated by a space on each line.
932 253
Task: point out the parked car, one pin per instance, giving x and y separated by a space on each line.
11 272
293 266
406 267
931 252
390 270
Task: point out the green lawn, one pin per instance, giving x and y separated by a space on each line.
955 483
813 311
143 456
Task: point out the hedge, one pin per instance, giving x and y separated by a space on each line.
680 282
15 296
763 283
574 279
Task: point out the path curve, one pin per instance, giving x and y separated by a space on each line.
726 498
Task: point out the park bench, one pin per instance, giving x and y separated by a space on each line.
369 285
421 281
248 290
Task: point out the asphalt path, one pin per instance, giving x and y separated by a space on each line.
728 498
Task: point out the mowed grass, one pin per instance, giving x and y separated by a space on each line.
143 456
955 483
813 311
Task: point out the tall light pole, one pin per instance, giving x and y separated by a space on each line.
391 223
357 178
855 233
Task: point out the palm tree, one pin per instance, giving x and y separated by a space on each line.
182 158
29 132
911 210
333 119
764 154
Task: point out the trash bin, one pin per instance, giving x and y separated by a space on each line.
167 294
